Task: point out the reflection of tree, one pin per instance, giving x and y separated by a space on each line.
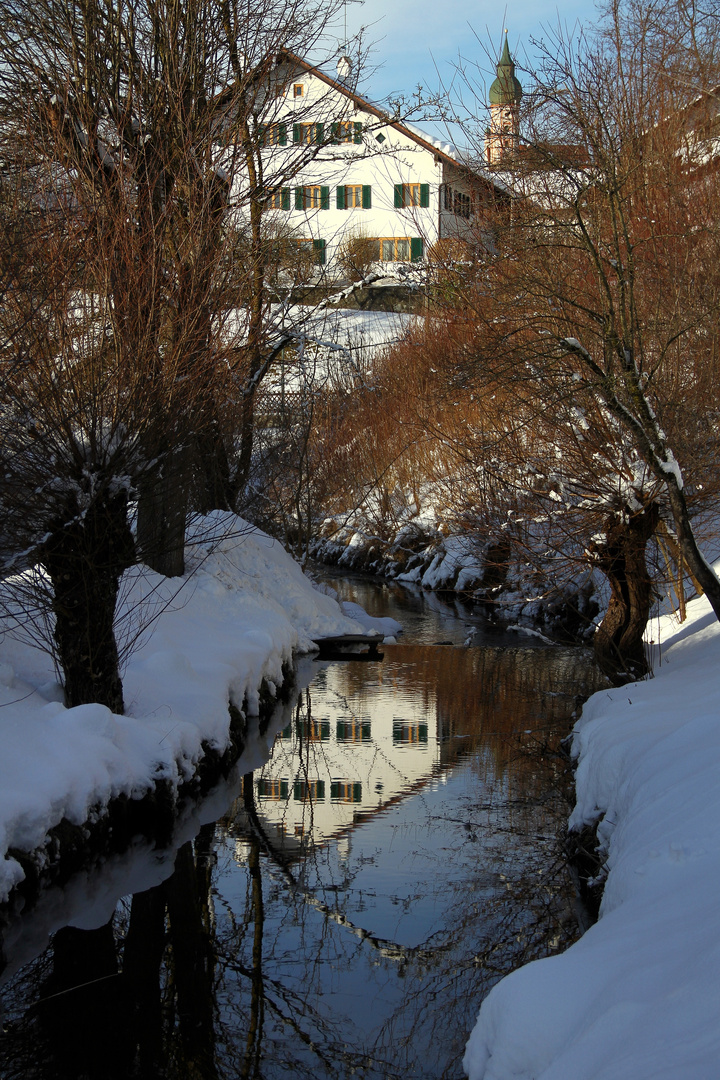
284 1028
482 696
275 972
505 904
85 1012
255 1027
152 1015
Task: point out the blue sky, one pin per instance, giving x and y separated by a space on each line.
418 41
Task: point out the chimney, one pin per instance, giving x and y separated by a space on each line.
344 68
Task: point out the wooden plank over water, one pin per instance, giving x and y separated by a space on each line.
349 647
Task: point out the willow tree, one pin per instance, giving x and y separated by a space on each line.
603 293
122 358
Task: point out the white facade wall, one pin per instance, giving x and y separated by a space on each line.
379 159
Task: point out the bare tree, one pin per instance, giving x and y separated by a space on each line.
122 349
602 294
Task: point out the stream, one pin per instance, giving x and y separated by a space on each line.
386 851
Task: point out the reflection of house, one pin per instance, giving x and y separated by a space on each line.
408 732
352 730
328 773
338 167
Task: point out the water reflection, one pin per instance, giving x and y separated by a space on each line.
133 997
392 859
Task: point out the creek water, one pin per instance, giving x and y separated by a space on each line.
387 850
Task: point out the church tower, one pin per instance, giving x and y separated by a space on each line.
501 138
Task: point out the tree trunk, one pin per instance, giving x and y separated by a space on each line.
618 641
216 491
85 555
700 570
163 500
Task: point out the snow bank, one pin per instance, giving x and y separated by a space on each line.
639 995
243 609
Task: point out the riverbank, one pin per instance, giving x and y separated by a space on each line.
213 643
422 551
638 996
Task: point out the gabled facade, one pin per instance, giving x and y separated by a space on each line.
335 166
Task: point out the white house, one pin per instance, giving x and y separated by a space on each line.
334 166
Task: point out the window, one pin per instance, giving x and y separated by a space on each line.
298 90
461 204
268 788
395 249
457 202
311 134
317 249
312 197
309 790
342 132
351 196
399 249
273 135
313 730
409 731
411 195
278 199
353 731
346 131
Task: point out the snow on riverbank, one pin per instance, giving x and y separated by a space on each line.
638 997
245 608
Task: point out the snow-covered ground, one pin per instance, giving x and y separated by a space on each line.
638 997
332 345
244 609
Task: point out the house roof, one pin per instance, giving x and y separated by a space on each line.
441 150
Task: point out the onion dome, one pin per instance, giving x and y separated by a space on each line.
506 89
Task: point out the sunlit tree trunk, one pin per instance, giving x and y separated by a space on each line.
618 641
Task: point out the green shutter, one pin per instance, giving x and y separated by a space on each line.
319 249
285 198
324 198
416 249
398 196
340 198
358 129
297 133
299 198
424 194
366 197
334 133
261 134
282 134
318 134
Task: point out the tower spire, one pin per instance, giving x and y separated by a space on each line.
504 96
